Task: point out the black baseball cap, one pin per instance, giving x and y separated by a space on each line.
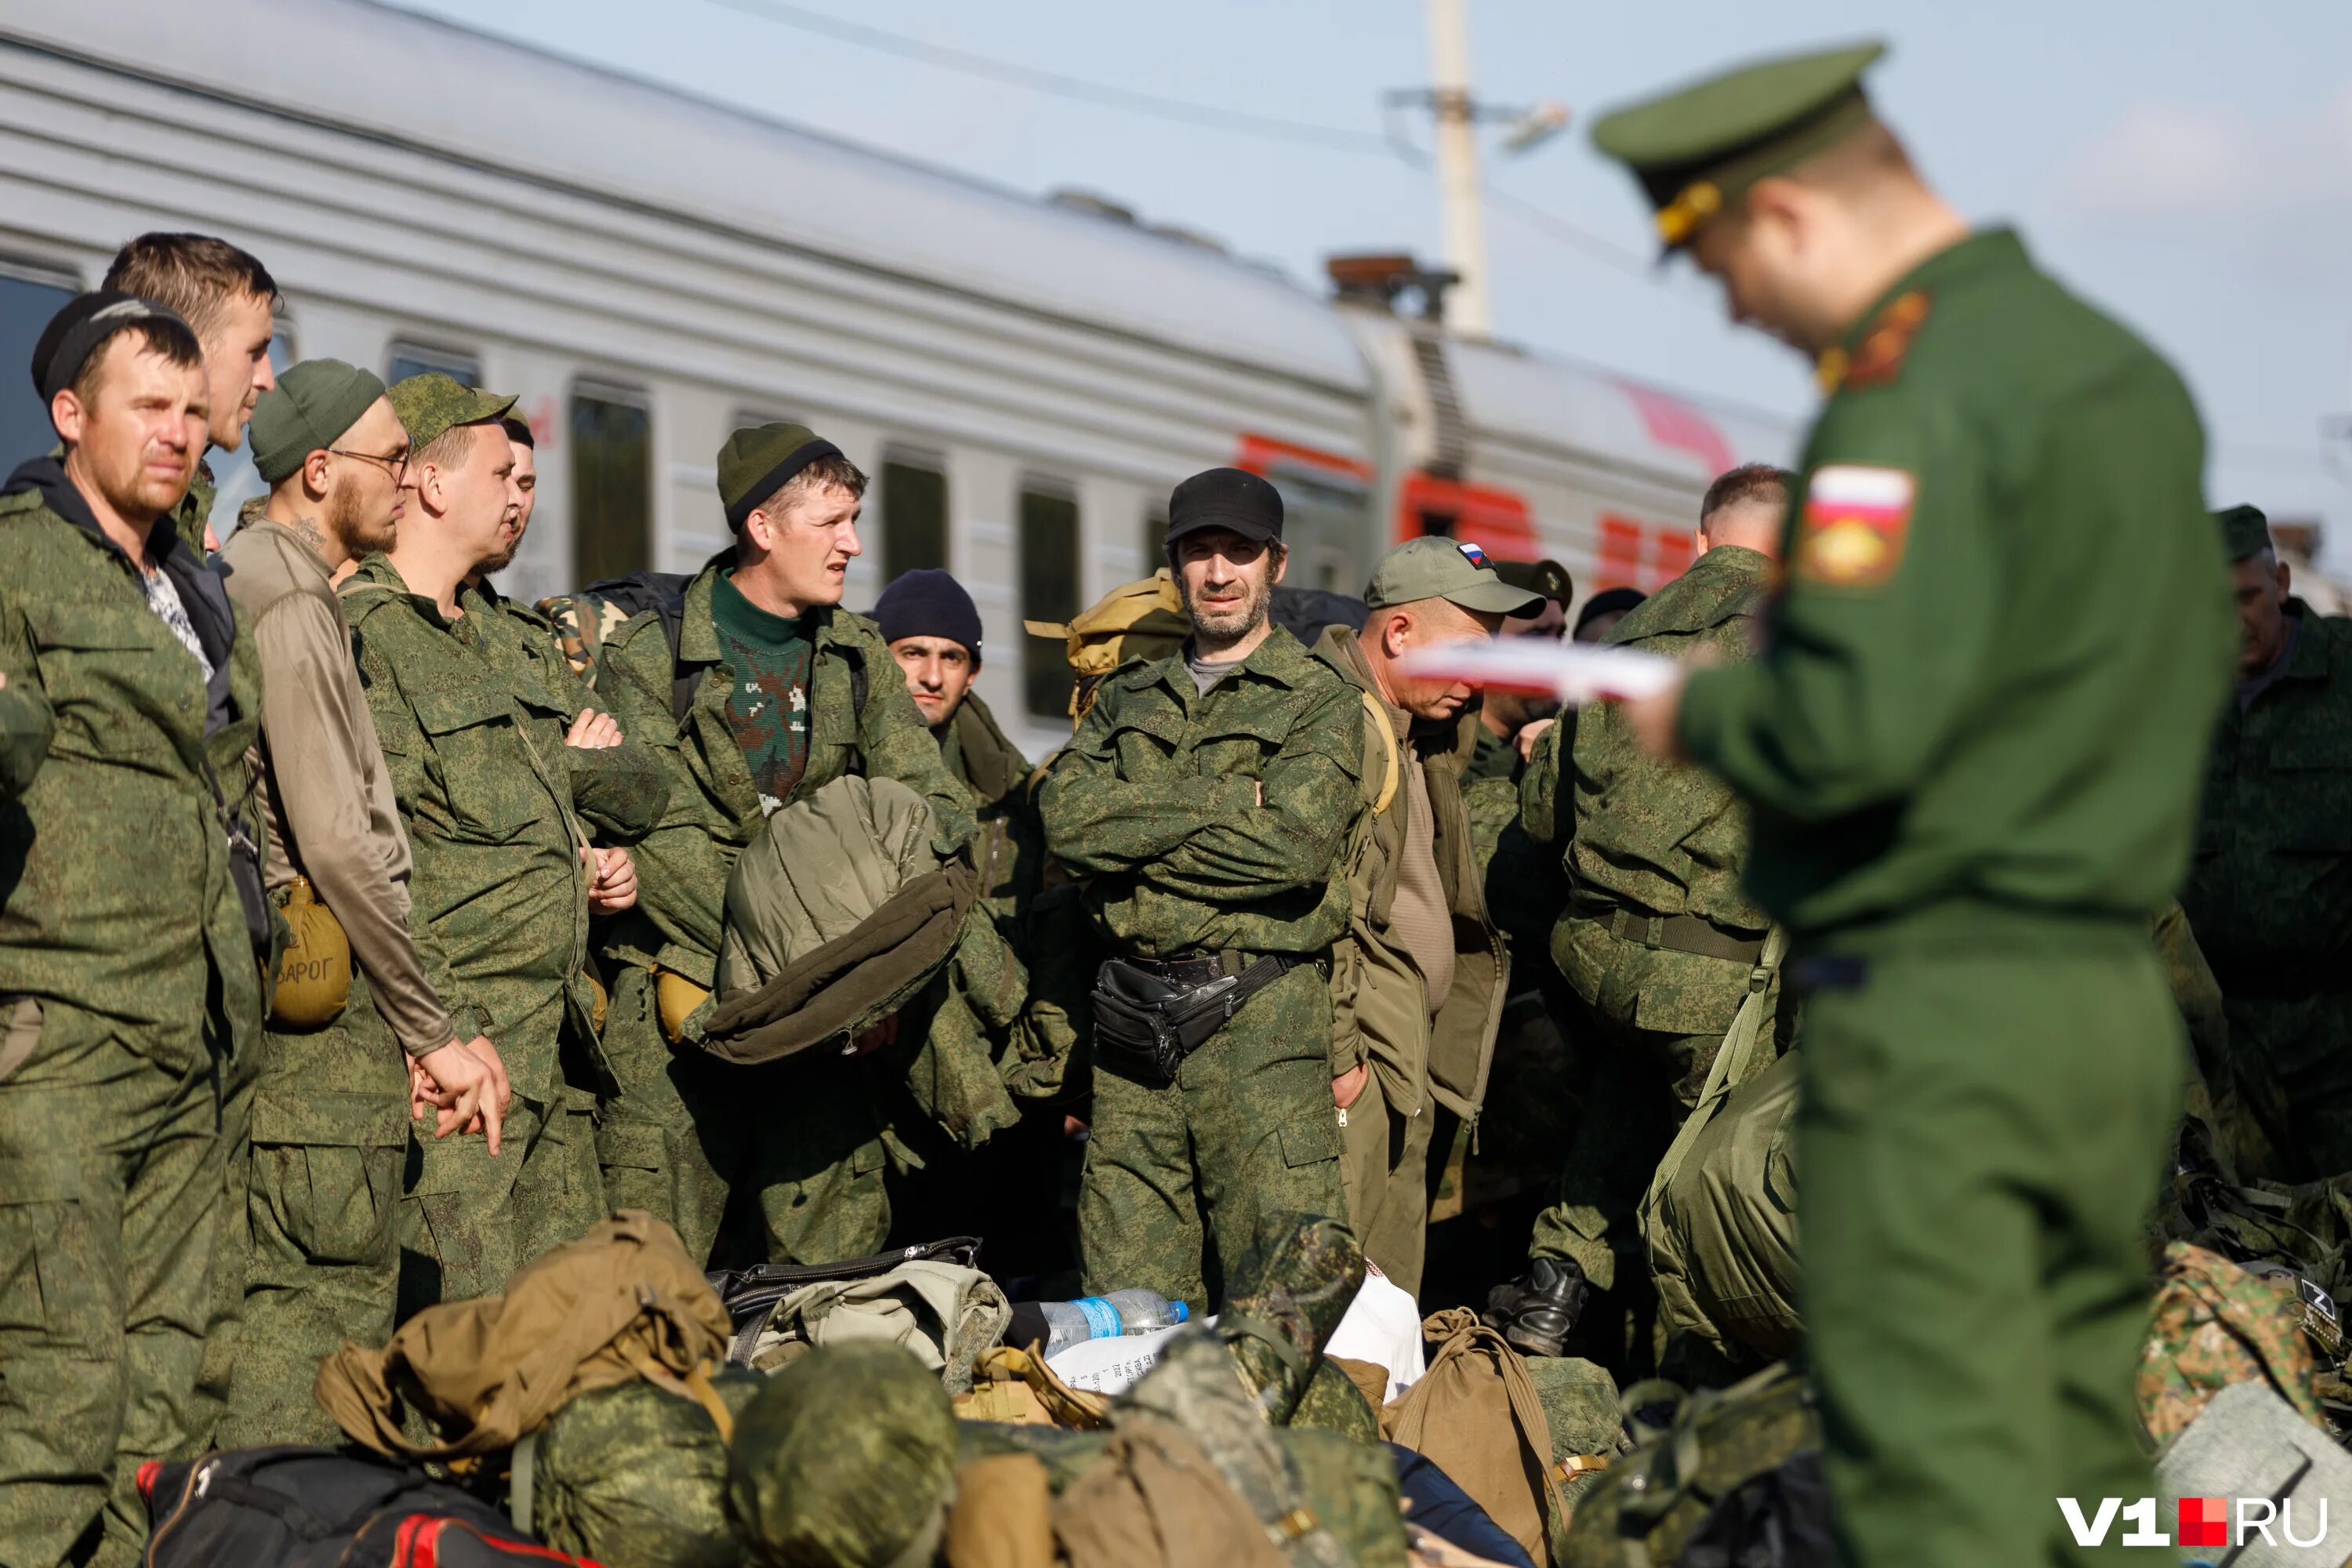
1232 499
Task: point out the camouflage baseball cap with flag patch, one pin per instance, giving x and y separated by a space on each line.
432 405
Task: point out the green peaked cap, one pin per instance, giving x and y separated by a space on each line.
2244 531
1697 148
432 405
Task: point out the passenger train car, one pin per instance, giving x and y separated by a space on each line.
1025 378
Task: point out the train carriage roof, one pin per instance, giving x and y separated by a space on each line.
379 71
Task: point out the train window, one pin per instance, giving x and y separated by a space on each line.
612 483
29 296
914 516
415 359
1155 537
1049 592
235 479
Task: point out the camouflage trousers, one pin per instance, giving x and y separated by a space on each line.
322 1262
112 1172
1385 1173
795 1146
1981 1129
467 1221
1179 1177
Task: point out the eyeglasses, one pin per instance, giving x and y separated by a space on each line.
395 463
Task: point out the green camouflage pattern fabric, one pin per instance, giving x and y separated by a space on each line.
1580 1404
1285 1296
1010 850
432 405
1492 804
1493 758
636 1477
134 1010
2216 1324
847 1459
1155 805
619 791
499 914
1643 1510
2270 896
1180 1178
330 1140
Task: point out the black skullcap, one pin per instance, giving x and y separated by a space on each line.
82 327
928 603
1231 499
1605 602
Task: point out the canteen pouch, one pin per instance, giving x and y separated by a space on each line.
314 973
1150 1024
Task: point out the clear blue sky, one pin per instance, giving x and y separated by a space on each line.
2189 166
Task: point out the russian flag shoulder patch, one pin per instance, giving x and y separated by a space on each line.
1851 529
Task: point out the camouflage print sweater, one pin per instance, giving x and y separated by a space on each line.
114 860
714 807
499 895
1156 799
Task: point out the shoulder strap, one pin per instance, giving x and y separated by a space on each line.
1733 1062
671 611
1376 717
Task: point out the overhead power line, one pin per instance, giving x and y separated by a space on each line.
1332 138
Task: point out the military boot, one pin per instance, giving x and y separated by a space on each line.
1536 1311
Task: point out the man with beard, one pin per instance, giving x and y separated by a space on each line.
1209 800
331 1098
501 888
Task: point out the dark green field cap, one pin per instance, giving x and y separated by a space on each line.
432 405
756 462
1454 570
1546 577
2245 531
308 410
1697 148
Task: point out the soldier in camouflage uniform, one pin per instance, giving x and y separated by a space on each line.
331 1098
1207 802
1418 984
748 708
131 694
1658 941
501 889
2270 892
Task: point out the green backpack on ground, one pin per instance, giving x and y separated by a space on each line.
634 1476
1647 1506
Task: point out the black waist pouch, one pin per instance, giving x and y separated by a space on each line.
1146 1024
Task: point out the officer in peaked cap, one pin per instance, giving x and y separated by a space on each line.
1972 748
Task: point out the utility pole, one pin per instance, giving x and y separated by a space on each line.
1468 307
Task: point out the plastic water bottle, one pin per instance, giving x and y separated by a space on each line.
1108 1317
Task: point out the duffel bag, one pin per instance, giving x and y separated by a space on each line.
322 1507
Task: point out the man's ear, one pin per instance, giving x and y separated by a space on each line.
314 475
1281 564
1396 633
2284 577
759 532
432 491
67 413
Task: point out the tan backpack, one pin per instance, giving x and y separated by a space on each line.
1476 1414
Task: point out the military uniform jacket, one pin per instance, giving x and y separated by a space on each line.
1010 851
114 852
2269 891
2004 626
619 791
499 895
1651 838
1156 802
1456 1037
714 807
